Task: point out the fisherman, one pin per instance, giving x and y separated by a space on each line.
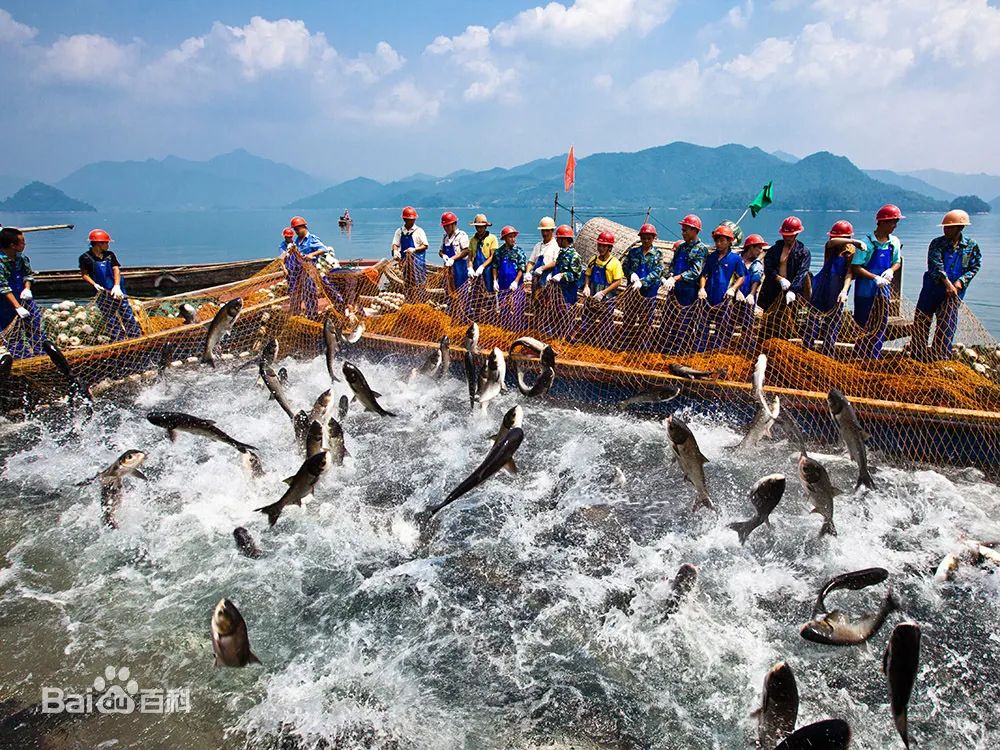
746 294
953 260
454 250
786 266
601 280
482 246
508 271
409 246
299 262
556 316
543 257
829 288
16 301
720 279
643 269
874 267
100 268
682 280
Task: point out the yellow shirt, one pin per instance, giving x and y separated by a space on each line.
612 269
489 247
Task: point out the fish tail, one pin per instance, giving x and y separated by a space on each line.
272 511
865 478
828 528
703 500
743 528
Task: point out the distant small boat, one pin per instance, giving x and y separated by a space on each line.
147 281
345 220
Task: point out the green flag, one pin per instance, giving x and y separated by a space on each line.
763 199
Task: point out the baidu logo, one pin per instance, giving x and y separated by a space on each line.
115 692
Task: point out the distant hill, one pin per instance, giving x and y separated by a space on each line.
959 184
677 174
995 203
910 183
234 180
10 184
785 156
973 204
37 196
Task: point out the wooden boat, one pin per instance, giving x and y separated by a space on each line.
148 281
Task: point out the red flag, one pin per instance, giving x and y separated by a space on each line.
570 176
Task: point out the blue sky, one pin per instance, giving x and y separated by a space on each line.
385 89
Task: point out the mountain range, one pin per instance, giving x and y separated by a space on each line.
37 196
677 174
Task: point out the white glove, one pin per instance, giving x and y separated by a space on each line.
586 291
411 250
513 286
750 300
556 277
600 295
731 291
449 262
789 297
702 293
98 288
636 282
479 271
336 263
116 292
740 297
634 278
785 284
887 274
26 294
842 298
669 283
23 313
538 271
881 281
396 254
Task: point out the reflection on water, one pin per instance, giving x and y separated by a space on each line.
497 633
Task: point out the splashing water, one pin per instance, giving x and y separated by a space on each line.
495 634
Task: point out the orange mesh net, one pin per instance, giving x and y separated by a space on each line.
921 403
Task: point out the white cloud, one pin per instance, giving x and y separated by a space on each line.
13 32
264 46
473 39
373 66
89 58
766 59
826 59
603 81
712 53
669 89
739 15
471 51
583 22
405 104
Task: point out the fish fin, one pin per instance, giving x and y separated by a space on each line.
703 500
376 394
253 659
172 434
139 473
743 529
865 478
511 466
828 528
272 511
289 480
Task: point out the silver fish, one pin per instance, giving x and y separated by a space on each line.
471 379
829 734
680 588
489 379
445 348
342 407
175 421
820 491
245 543
332 337
430 366
763 420
362 391
779 706
111 500
315 439
221 324
765 497
654 395
899 664
230 641
472 338
683 371
335 442
321 407
837 629
300 485
854 581
690 458
270 378
851 433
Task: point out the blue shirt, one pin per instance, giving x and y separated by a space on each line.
752 274
797 267
868 246
695 252
310 244
972 258
719 271
9 266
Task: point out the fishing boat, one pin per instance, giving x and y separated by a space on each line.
151 280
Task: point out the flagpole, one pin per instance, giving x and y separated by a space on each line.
555 206
743 216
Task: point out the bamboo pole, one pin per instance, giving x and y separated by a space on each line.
46 228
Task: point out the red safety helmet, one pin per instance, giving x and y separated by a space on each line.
296 222
605 238
723 231
889 212
647 229
754 239
448 218
564 230
288 233
99 235
842 228
409 212
508 230
791 226
691 221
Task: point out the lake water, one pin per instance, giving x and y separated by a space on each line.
151 238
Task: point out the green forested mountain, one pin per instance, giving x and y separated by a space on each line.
37 196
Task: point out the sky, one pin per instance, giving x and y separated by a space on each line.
386 89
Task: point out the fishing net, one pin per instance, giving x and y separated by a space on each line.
921 404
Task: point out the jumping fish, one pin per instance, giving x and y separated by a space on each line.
362 391
779 706
59 360
270 378
230 641
900 663
690 458
335 442
836 629
819 489
245 543
680 587
300 485
854 581
683 371
765 497
444 346
221 324
315 439
829 734
653 395
175 421
851 433
342 407
764 419
332 338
